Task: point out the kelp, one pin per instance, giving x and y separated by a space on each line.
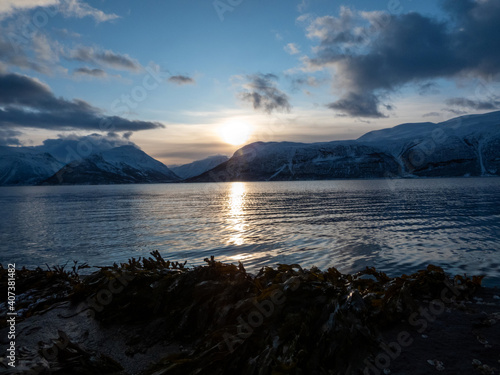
284 319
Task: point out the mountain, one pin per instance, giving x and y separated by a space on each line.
198 167
467 145
119 165
25 166
301 161
72 147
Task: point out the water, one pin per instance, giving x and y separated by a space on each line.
398 226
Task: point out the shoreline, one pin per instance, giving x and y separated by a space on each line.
152 316
301 180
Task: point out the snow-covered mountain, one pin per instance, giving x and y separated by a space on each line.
467 145
301 161
72 147
119 165
26 166
198 167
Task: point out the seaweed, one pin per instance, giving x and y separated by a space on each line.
283 319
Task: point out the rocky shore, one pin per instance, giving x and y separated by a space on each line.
152 316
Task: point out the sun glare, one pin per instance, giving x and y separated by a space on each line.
235 132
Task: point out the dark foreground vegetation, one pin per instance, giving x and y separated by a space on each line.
152 316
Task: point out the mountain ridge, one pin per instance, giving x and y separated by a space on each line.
120 165
463 146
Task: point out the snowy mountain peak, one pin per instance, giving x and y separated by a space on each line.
198 167
119 165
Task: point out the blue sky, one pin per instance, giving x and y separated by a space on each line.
309 70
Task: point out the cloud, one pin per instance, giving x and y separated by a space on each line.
99 73
374 53
261 91
32 50
68 34
67 148
80 9
181 80
428 88
28 103
68 8
7 7
303 5
292 49
456 112
42 54
107 58
358 105
8 137
431 114
298 82
479 105
15 53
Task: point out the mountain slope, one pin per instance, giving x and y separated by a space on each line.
120 165
467 145
198 167
24 166
300 161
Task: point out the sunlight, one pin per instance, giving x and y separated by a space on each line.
235 132
236 203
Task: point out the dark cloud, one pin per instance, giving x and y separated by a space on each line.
431 114
479 105
8 137
456 112
181 80
262 93
26 102
90 72
375 53
107 58
358 105
428 88
127 135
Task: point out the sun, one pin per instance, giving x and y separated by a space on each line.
235 132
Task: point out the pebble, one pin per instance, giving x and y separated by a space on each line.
438 364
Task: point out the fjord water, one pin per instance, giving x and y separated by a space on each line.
395 225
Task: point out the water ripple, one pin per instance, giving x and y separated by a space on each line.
398 227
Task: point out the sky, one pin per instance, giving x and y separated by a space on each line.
188 79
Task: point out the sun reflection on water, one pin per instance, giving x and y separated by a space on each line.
236 216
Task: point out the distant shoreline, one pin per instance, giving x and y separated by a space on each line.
221 182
